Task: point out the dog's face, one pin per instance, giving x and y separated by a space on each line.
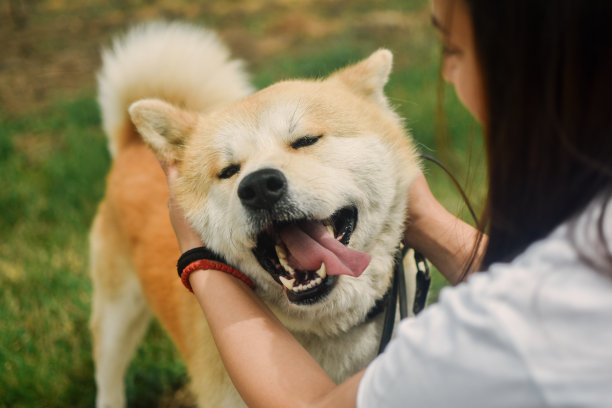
300 186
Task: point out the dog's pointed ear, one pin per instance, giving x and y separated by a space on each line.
369 76
163 127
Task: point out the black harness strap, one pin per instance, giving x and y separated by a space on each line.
423 282
398 292
389 319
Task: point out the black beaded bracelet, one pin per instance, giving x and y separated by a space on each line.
195 254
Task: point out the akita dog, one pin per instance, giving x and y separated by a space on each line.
301 186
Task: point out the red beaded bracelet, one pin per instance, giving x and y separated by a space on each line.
217 266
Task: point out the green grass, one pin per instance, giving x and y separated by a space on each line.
54 161
55 165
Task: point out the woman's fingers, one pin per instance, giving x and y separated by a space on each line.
186 236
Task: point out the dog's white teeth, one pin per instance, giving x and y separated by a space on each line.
305 286
286 266
288 283
322 271
281 253
300 288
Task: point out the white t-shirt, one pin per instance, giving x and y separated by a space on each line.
536 332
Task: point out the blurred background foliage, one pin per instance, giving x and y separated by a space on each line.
53 157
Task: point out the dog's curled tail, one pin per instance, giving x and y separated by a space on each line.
180 63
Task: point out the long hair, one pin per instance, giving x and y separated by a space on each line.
547 68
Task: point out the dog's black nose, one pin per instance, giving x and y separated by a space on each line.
262 189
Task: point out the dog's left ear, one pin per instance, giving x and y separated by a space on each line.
163 127
369 76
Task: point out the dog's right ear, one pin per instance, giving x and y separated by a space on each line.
163 127
369 76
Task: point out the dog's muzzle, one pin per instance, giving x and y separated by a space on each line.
301 254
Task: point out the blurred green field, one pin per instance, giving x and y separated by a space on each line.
53 159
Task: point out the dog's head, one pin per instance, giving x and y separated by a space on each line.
302 186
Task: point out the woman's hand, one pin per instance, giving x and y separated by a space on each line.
444 239
187 237
422 205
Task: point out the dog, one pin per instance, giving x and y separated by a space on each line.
302 186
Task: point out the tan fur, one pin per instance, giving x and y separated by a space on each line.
133 221
364 159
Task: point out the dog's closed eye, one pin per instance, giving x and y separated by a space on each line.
229 171
305 141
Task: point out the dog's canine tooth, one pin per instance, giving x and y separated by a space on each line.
322 271
280 251
282 258
288 283
331 232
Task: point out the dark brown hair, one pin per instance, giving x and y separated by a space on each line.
547 68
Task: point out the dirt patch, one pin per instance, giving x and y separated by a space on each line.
51 47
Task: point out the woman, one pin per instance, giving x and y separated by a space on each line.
534 329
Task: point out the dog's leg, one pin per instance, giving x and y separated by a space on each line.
120 315
118 324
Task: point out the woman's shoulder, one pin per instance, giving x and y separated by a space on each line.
573 264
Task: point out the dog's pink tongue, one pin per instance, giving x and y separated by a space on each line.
310 243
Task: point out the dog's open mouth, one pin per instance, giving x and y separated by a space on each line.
305 256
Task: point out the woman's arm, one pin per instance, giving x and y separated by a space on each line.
441 237
267 365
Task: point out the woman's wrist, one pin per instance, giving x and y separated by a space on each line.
447 242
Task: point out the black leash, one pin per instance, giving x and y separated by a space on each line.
464 196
